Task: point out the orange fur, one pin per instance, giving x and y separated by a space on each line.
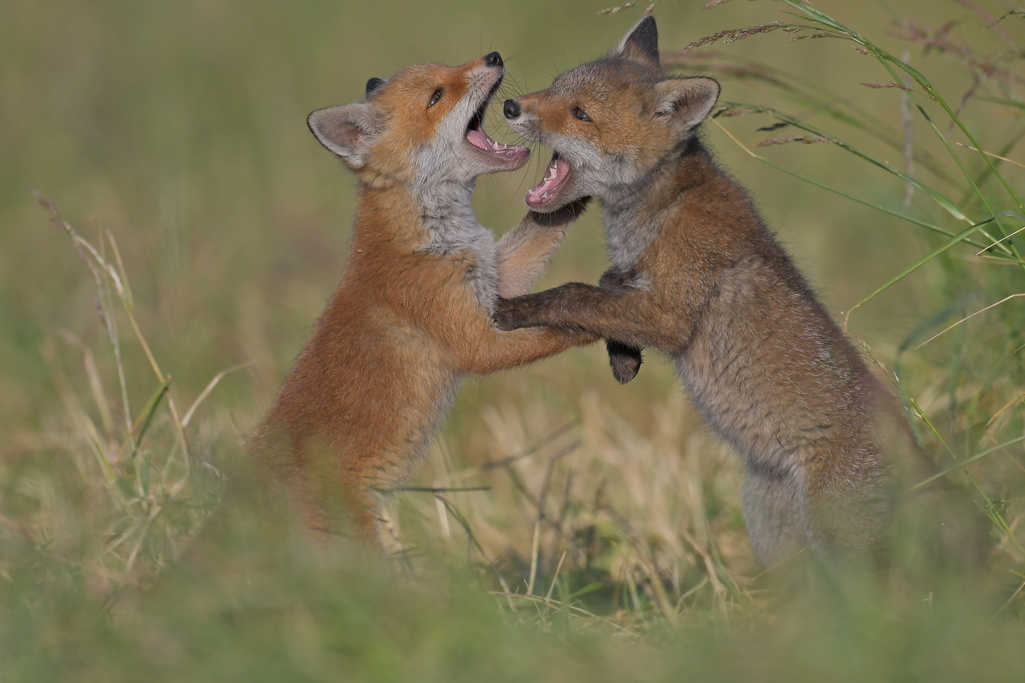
412 314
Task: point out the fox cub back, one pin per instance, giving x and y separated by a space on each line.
698 276
412 314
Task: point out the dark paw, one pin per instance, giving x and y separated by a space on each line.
505 315
613 278
562 216
625 361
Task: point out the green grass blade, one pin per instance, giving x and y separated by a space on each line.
813 95
142 423
1004 151
960 237
967 460
889 62
939 198
879 207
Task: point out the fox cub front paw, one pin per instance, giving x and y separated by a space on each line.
563 216
625 360
614 278
507 317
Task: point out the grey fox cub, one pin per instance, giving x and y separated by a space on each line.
697 275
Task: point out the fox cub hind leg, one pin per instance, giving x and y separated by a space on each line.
938 528
775 517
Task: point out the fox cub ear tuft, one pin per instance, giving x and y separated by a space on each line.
686 101
348 130
641 43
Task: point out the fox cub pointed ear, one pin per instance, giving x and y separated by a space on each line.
686 101
348 130
641 43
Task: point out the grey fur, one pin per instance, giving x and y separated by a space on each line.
827 448
453 227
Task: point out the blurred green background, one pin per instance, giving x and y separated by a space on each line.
178 129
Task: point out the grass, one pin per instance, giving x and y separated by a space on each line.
565 527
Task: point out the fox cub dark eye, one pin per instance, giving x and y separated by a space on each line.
579 113
434 98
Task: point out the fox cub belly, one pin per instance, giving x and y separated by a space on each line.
697 275
412 314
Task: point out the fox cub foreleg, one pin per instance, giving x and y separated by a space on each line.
525 251
492 350
628 316
776 516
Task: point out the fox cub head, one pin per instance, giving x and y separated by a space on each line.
610 121
422 124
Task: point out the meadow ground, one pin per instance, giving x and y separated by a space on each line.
565 527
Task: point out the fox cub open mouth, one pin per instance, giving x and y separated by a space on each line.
547 191
546 195
475 134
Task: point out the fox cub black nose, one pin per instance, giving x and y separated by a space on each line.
493 59
511 109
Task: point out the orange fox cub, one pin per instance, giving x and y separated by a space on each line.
697 275
412 314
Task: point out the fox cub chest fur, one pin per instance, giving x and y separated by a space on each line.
697 275
412 314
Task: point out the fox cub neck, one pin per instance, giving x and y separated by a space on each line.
434 220
633 214
449 222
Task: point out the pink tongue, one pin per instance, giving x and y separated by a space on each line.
556 173
477 138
